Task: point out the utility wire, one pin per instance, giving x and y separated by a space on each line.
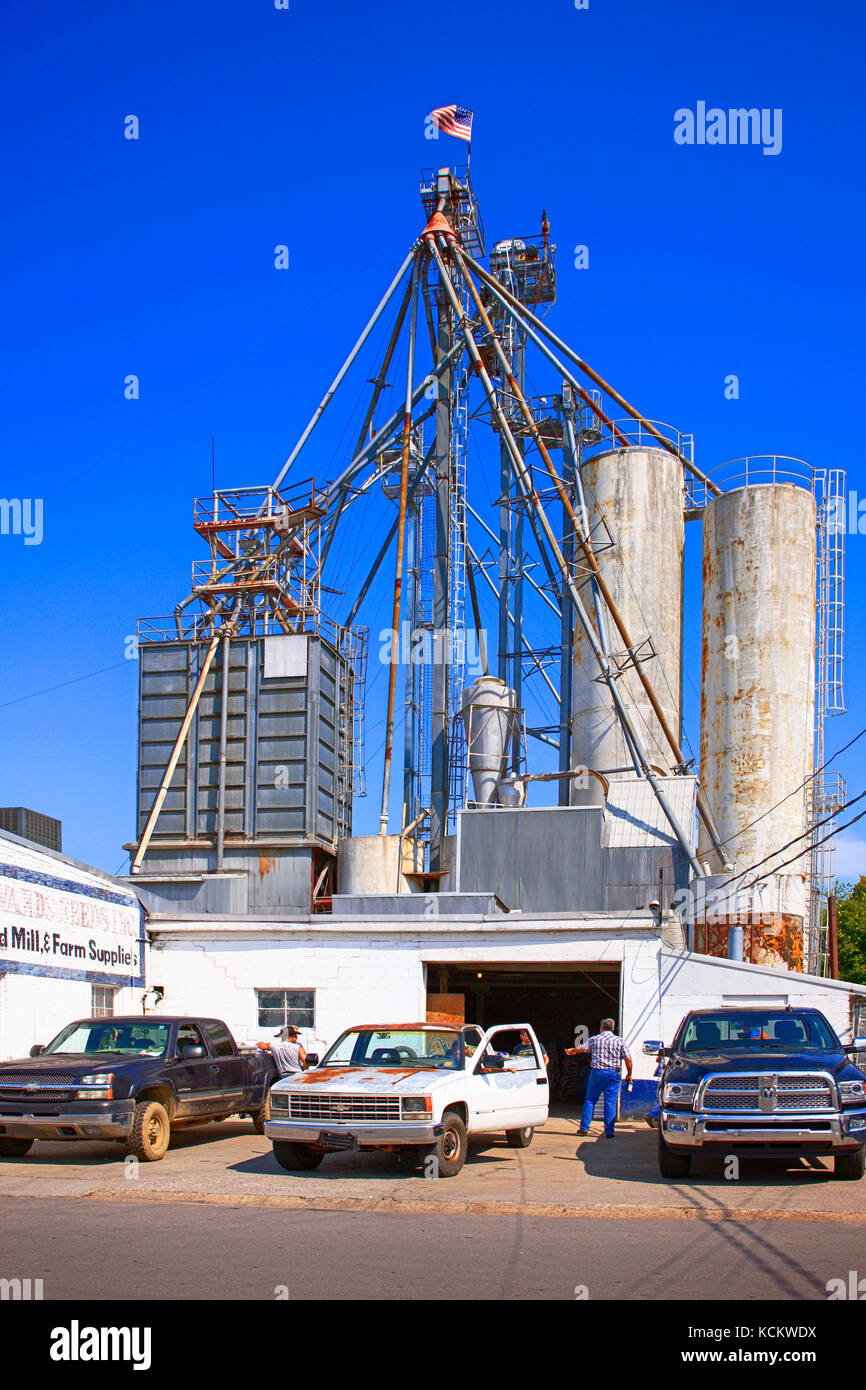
804 783
781 849
60 684
823 840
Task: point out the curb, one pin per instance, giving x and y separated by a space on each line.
473 1208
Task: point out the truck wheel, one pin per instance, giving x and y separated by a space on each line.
671 1163
295 1156
450 1150
519 1138
151 1131
15 1148
258 1119
850 1166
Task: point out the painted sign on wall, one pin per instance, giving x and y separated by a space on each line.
67 929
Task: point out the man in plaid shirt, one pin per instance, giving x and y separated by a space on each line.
607 1052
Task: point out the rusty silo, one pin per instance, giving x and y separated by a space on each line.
634 500
757 710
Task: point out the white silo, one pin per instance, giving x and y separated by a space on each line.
758 706
634 501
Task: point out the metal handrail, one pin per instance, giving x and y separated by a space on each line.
764 468
638 436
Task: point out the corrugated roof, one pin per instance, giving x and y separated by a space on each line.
634 818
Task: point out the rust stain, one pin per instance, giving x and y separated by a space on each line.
267 864
309 1078
775 940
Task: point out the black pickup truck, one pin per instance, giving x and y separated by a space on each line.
133 1079
757 1081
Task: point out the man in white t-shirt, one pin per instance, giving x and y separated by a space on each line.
288 1054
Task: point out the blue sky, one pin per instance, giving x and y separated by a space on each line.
305 127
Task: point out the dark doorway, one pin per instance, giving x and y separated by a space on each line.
555 1000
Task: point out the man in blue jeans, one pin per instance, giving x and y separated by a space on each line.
607 1052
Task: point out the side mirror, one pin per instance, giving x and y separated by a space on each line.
494 1063
312 1059
191 1051
858 1045
37 1049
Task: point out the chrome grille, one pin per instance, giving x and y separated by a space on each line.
793 1092
717 1097
342 1109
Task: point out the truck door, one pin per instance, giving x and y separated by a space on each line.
516 1094
194 1076
228 1068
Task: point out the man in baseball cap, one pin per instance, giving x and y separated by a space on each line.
288 1054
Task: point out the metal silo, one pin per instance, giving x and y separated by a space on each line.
757 708
491 721
634 501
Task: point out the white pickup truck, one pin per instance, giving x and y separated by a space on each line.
419 1090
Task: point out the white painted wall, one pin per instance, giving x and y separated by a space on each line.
373 973
703 982
34 1008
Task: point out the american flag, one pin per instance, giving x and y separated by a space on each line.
454 120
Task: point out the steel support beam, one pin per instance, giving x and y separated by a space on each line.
608 675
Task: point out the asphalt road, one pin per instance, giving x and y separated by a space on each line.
88 1249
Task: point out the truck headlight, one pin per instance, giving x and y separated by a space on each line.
416 1107
100 1086
678 1093
852 1092
279 1100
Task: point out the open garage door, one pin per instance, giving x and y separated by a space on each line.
555 999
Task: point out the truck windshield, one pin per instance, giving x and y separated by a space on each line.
130 1039
397 1047
769 1031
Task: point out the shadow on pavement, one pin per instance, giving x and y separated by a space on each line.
371 1166
74 1152
631 1155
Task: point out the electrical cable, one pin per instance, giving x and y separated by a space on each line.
60 684
804 783
781 849
838 829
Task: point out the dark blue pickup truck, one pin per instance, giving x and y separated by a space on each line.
132 1079
770 1082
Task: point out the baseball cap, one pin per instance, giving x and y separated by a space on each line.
287 1032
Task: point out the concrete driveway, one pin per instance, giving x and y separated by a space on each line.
559 1175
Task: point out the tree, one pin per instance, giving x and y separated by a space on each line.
851 918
